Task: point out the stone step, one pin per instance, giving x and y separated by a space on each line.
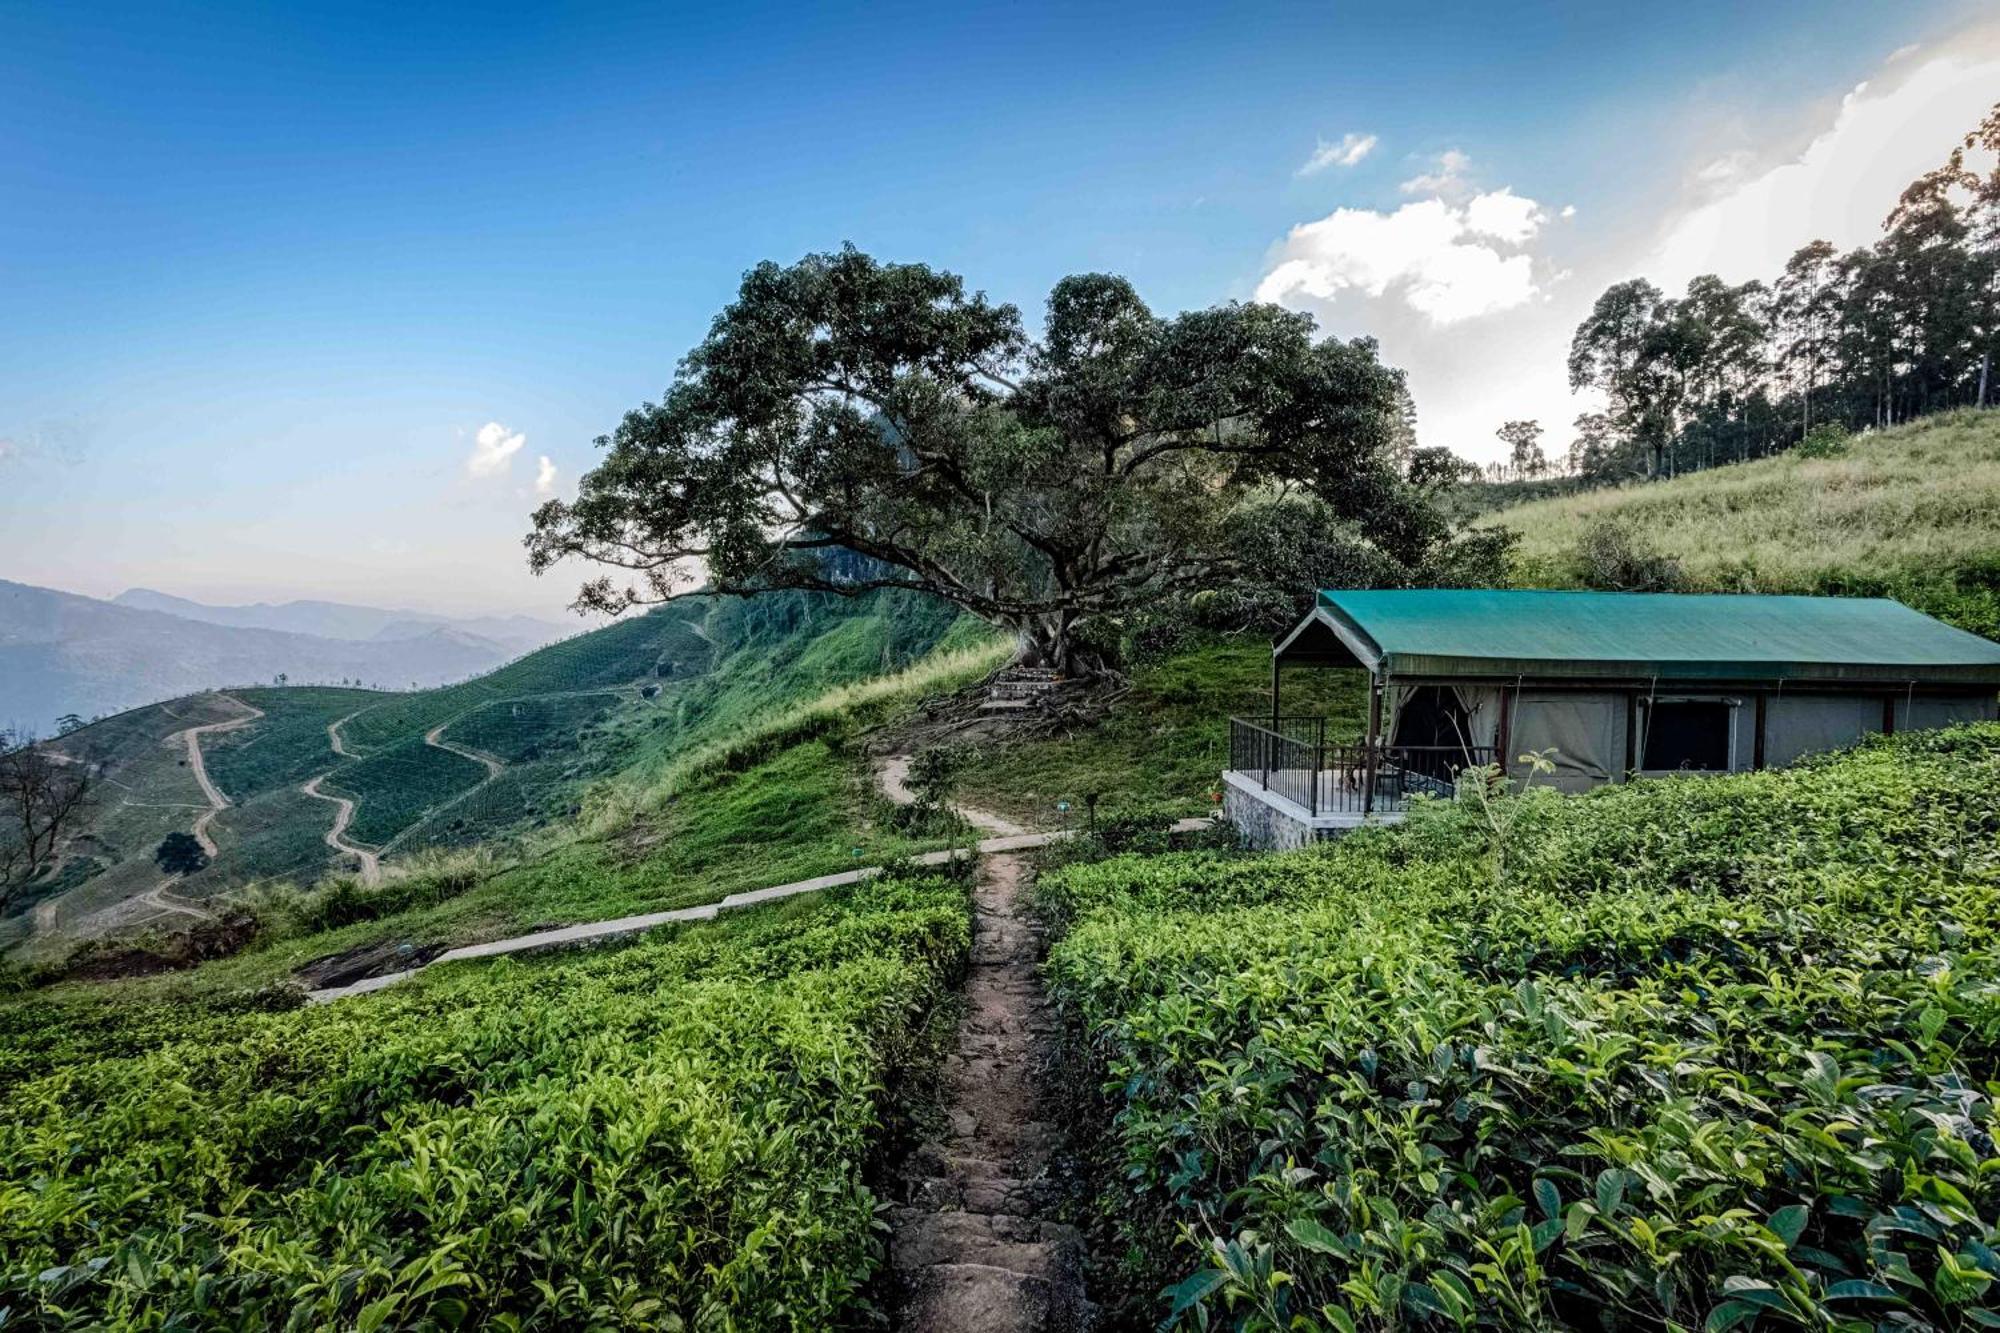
1005 705
1023 687
1018 1244
976 1194
980 1298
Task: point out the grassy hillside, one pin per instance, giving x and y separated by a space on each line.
1161 745
1905 513
1657 1055
591 720
1667 1055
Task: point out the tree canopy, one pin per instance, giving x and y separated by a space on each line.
1871 337
180 854
849 425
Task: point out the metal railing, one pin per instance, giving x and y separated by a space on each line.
1292 757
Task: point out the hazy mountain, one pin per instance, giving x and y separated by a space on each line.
339 620
62 653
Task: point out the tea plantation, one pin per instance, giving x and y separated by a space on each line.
677 1134
1685 1054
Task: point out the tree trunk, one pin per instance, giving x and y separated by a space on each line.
1051 641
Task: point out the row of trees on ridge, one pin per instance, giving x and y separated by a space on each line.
1877 335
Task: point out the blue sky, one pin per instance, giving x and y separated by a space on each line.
266 276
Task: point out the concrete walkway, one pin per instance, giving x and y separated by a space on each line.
593 932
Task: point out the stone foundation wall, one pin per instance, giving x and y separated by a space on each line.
1261 826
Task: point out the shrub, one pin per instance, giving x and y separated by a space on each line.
1609 555
1721 1050
675 1134
1827 440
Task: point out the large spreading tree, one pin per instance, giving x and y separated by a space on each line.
843 408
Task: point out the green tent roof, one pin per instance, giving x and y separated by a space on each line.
1545 634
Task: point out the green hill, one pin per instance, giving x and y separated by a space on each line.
499 756
1905 513
1670 1054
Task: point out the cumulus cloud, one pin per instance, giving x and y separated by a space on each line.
1504 215
1464 285
1447 261
1446 180
545 476
493 450
1346 152
1747 212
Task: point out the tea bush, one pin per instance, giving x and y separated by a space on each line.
1717 1051
676 1134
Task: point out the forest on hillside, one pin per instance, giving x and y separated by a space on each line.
1837 341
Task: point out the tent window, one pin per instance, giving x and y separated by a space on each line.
1688 734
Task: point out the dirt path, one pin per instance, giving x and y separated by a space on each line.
191 737
493 764
893 773
156 898
336 837
974 1247
435 738
343 809
333 735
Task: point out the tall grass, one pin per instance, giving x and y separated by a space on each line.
649 786
1908 512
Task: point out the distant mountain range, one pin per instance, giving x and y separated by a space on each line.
337 620
63 653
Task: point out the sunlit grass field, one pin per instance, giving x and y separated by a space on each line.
1907 513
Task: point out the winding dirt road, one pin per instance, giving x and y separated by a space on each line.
191 738
435 737
336 837
156 897
343 814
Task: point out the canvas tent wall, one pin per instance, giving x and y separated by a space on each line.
1617 682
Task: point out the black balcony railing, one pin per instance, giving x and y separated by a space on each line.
1292 757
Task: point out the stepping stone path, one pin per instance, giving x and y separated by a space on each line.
972 1247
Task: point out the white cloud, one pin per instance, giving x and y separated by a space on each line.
493 450
1482 322
1448 262
1447 181
1743 222
545 476
1504 215
1349 150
